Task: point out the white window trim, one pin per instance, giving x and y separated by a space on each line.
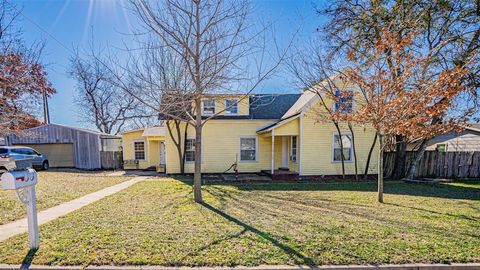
189 161
240 149
291 149
144 149
201 151
226 110
333 148
353 100
214 107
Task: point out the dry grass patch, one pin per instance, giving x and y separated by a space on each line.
55 187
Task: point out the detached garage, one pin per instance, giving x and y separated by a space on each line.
72 147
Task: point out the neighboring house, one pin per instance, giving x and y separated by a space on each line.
70 146
467 140
259 133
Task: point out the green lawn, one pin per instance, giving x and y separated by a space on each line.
53 188
156 222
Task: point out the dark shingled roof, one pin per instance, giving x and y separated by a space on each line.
266 106
262 106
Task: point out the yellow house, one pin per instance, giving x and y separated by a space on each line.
277 134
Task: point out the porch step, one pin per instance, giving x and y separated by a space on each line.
249 177
280 175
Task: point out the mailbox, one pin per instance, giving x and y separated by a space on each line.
19 179
23 182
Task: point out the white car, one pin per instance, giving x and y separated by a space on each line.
8 155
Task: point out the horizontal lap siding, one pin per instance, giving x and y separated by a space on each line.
317 143
242 106
154 152
127 144
221 146
465 141
287 129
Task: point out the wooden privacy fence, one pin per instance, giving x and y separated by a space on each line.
111 159
440 164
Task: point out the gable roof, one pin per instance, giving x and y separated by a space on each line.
310 96
154 131
473 127
278 123
307 98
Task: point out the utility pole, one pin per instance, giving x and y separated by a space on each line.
46 112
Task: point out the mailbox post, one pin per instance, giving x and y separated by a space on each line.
23 181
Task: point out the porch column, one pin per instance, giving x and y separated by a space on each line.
147 152
273 151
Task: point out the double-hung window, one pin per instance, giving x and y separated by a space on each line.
190 150
346 140
231 106
209 106
139 150
293 148
343 101
248 149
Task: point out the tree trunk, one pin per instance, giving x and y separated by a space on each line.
182 164
341 148
418 155
354 150
197 176
400 157
380 170
177 142
367 165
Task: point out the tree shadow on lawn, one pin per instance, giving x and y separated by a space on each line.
337 208
294 254
442 190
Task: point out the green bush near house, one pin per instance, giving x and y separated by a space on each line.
157 223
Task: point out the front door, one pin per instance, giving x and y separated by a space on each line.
284 151
162 153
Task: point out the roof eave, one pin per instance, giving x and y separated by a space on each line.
279 123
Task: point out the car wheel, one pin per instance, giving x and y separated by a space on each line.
45 165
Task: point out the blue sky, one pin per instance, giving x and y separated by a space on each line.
69 24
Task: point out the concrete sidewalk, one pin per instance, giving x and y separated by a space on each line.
453 266
20 226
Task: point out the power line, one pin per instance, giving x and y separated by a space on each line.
41 28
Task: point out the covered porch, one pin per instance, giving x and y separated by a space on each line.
155 140
285 148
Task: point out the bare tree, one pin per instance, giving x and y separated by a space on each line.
216 48
316 72
100 100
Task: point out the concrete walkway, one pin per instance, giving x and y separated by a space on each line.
20 226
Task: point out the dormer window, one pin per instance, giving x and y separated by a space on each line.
344 101
231 106
209 106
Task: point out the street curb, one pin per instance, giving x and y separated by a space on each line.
453 266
